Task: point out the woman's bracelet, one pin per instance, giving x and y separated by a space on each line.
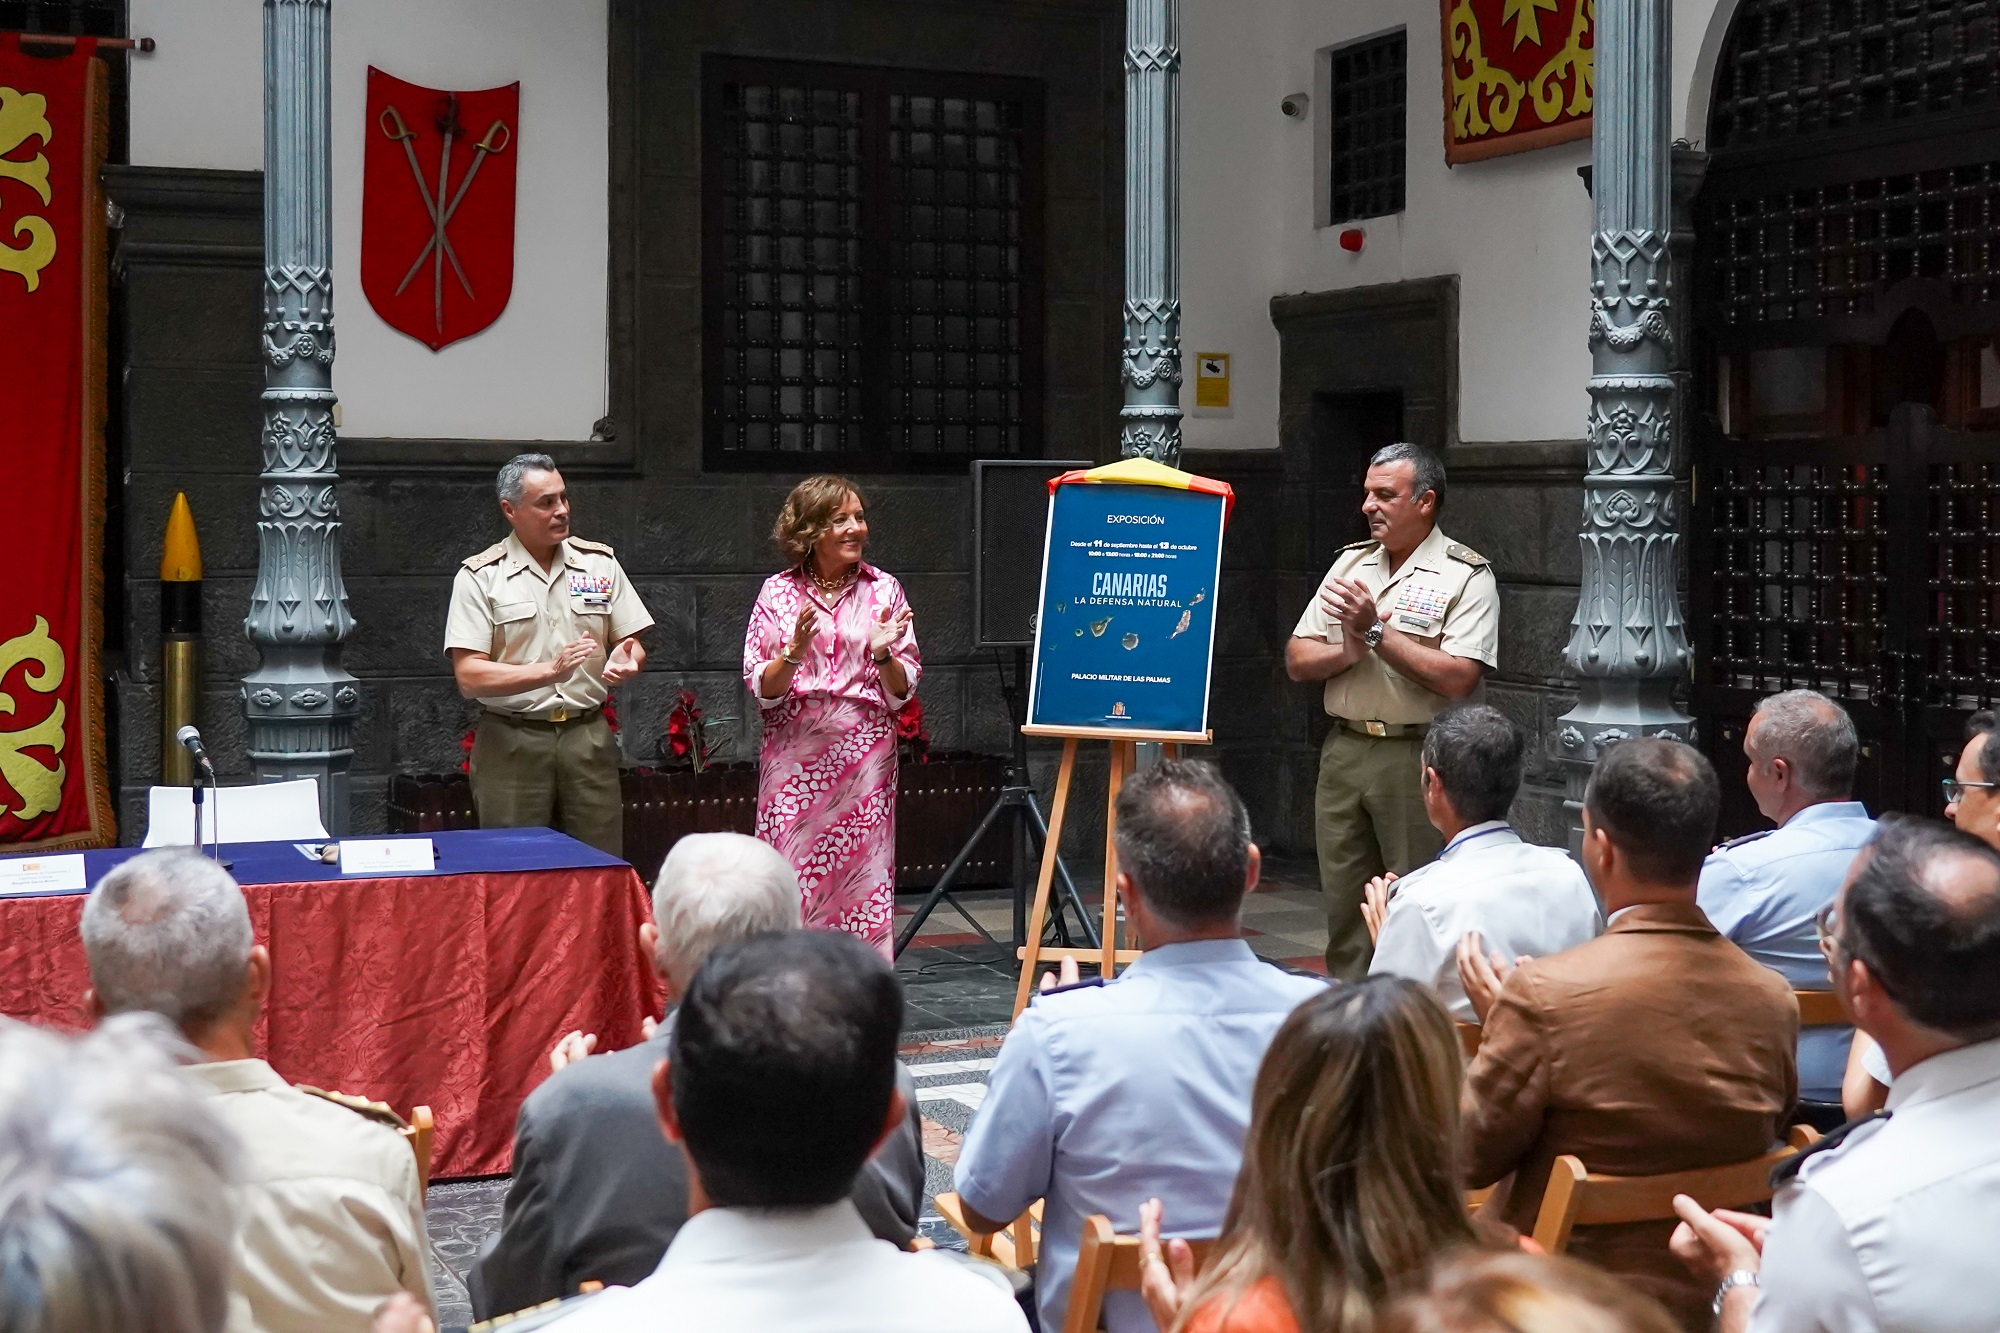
883 660
789 660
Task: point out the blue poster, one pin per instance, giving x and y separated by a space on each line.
1126 633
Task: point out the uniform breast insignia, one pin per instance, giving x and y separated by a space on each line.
1467 555
592 592
491 555
1734 843
596 548
380 1112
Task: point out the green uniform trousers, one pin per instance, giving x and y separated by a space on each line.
561 775
1368 817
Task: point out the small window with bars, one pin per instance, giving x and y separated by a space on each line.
871 269
1368 121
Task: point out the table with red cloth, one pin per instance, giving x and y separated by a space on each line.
444 989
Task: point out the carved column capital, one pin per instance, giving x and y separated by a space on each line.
1150 422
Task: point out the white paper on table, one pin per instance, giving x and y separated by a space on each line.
386 856
43 874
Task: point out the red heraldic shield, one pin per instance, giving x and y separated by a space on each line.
437 207
53 786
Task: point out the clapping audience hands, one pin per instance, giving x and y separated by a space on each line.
1483 974
1166 1271
1066 974
403 1313
572 1048
1375 903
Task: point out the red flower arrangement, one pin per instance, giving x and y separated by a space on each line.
684 740
913 739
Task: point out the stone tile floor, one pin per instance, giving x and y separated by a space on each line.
959 994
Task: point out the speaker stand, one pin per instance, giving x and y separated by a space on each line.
1017 804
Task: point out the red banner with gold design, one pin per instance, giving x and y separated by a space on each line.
53 788
1518 74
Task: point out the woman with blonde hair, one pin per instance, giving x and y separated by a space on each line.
1525 1293
1350 1183
830 655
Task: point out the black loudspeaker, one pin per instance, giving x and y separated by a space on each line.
1010 518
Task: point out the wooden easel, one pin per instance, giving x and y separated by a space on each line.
1124 758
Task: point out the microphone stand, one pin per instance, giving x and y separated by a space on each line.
204 776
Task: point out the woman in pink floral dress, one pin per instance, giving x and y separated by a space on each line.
830 655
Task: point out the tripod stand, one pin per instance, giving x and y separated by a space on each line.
1016 802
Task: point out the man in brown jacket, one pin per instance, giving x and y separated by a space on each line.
1658 1046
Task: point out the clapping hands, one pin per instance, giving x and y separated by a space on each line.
886 628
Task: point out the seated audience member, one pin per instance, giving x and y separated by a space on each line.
1524 1293
597 1194
1349 1185
780 1079
1522 899
1890 1223
1658 1046
1764 891
1106 1095
332 1220
115 1209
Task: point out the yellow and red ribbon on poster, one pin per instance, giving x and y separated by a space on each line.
54 790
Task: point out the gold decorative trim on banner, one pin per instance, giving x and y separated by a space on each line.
1522 93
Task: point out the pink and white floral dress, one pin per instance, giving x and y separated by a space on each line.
826 783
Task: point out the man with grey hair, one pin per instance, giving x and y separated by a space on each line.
1524 900
1405 623
332 1220
1764 891
597 1193
115 1208
542 627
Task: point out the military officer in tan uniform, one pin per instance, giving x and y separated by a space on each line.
542 626
1405 623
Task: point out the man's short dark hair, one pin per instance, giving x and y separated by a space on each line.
1184 838
1658 799
784 1059
1923 912
1477 753
1427 469
1983 723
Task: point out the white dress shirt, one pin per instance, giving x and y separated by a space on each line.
1521 898
733 1270
1895 1229
1106 1096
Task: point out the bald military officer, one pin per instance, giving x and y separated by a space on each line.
542 626
1404 624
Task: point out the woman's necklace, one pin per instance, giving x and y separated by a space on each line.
834 587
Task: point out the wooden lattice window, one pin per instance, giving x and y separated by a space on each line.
1367 125
872 266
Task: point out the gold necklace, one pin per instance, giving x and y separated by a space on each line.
835 586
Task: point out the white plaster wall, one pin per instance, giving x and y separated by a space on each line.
1515 229
539 371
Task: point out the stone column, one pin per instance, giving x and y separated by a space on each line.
299 702
1150 421
1629 642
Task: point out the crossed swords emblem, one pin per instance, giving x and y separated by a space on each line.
438 248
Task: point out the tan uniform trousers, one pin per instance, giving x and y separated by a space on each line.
528 773
1368 817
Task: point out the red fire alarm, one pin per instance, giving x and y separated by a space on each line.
1351 239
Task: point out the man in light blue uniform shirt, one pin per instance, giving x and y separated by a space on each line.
1108 1094
1765 890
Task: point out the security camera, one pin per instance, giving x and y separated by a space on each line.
1294 106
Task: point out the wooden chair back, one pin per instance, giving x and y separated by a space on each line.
1106 1262
1468 1038
1820 1009
1013 1246
1576 1197
418 1135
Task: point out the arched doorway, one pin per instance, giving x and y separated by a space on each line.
1845 405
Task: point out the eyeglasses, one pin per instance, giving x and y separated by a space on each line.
1954 790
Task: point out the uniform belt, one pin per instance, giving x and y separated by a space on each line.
560 716
1384 730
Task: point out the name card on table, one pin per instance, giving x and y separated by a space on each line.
386 856
43 874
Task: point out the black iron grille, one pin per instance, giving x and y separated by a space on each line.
81 18
1803 69
872 276
1367 124
1801 575
1831 250
1962 630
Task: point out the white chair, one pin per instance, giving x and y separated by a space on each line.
264 812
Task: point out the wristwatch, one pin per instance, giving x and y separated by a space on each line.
883 660
1372 636
1742 1277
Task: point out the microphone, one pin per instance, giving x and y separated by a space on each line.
191 738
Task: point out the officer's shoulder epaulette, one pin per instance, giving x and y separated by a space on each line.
1466 554
599 548
1360 545
1748 837
486 557
380 1112
1788 1169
